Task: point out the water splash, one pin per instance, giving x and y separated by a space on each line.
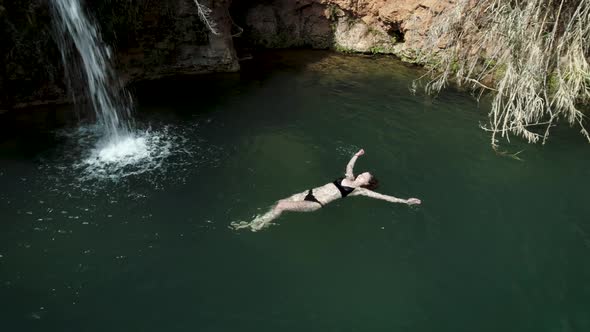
156 157
259 222
135 154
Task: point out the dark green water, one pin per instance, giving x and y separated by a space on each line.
497 245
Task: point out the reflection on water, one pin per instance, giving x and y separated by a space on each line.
497 245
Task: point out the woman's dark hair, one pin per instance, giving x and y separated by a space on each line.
372 185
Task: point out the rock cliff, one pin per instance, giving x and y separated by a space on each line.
373 26
151 39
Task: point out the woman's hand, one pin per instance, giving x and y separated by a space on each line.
412 201
360 153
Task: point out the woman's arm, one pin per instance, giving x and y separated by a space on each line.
372 194
349 174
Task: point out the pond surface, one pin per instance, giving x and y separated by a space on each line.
499 244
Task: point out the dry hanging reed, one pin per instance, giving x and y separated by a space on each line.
535 52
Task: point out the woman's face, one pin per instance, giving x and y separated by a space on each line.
364 178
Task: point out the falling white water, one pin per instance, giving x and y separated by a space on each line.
87 58
108 98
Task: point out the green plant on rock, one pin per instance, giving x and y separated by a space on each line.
342 49
377 49
381 49
537 51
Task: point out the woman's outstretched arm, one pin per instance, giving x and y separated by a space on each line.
349 173
373 194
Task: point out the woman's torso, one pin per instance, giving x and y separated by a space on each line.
325 194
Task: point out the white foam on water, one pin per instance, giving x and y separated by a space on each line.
131 155
129 150
88 161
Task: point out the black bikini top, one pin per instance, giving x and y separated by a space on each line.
344 190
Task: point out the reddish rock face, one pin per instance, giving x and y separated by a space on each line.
412 17
408 18
382 26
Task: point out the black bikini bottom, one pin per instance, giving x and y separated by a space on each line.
311 198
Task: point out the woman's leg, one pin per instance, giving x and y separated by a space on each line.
302 206
283 205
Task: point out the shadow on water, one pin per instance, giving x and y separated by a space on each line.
24 133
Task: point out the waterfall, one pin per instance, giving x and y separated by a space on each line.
121 150
111 103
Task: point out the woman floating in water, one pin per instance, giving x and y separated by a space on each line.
316 198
